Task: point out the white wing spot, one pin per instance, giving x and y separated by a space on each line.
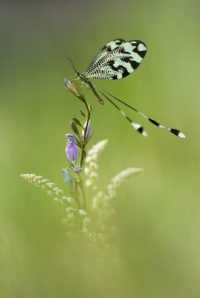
136 57
112 45
127 65
182 135
137 126
141 47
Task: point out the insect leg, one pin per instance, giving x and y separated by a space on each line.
95 92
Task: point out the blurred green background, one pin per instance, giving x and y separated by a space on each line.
158 212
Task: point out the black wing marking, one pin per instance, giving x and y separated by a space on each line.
118 60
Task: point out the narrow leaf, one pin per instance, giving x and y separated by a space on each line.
75 129
82 114
77 122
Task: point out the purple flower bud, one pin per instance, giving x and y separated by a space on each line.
87 131
71 136
71 149
71 87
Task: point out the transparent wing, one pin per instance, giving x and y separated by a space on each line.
116 61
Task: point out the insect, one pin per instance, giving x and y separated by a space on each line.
116 60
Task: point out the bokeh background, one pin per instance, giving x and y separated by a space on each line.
157 212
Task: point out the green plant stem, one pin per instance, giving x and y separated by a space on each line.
85 132
77 196
84 198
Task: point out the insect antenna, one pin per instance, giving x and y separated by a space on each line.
71 63
174 131
139 128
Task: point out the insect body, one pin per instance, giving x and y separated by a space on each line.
116 60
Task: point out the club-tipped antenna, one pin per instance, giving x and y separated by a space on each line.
71 63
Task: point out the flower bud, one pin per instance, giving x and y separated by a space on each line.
71 87
71 149
87 130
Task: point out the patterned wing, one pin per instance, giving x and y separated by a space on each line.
112 45
117 61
